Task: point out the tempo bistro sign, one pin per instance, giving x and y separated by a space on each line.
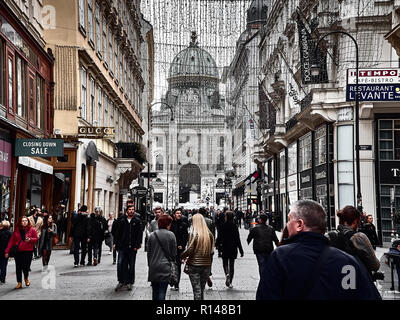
39 147
374 84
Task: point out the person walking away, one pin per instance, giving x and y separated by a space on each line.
109 238
94 234
161 249
357 244
103 225
211 227
36 221
48 232
78 235
219 221
306 267
179 227
198 255
264 237
370 231
25 237
128 235
229 240
5 235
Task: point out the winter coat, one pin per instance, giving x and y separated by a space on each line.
46 238
97 226
229 241
195 257
158 263
37 225
180 229
5 236
30 232
128 235
370 231
79 225
263 236
292 266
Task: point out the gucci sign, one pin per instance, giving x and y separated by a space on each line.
96 132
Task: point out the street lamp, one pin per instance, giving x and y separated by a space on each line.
148 142
315 69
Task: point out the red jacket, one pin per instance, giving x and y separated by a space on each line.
23 246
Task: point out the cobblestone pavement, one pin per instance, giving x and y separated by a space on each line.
98 282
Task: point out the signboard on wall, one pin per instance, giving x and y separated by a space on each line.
39 147
96 132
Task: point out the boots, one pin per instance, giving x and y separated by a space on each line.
27 283
19 285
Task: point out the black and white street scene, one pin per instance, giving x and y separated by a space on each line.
199 150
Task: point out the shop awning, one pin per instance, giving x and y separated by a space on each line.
35 164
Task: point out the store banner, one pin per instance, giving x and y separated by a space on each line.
5 158
39 147
309 56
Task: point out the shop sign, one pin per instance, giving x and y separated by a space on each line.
389 172
5 159
39 147
345 114
96 132
374 76
373 92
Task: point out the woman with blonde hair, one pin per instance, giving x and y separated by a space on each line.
198 255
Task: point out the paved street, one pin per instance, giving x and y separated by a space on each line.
94 283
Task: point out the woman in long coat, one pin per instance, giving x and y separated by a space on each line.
229 242
49 231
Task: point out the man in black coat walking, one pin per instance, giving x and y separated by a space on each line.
370 231
78 234
179 227
97 225
264 236
128 234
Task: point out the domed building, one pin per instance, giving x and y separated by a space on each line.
191 153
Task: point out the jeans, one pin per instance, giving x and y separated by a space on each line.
23 261
198 276
229 267
159 290
126 266
3 268
80 242
262 259
93 248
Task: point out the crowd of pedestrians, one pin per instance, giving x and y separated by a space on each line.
306 263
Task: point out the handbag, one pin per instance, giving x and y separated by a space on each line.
13 250
186 269
55 240
174 277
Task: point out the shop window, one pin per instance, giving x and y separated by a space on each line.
34 190
389 140
61 201
345 165
292 158
21 86
320 146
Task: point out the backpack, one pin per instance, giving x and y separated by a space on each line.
341 241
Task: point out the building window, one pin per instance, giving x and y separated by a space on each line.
305 152
40 102
125 75
82 23
105 110
11 83
90 21
115 67
92 99
320 146
292 158
120 70
110 48
21 87
389 140
345 168
159 142
159 163
282 164
32 98
99 107
98 30
111 104
105 40
126 129
116 124
83 93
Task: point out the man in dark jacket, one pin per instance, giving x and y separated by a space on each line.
5 235
306 267
179 227
78 234
96 230
128 236
264 236
369 230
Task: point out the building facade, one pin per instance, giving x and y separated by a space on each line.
191 154
98 100
26 108
310 141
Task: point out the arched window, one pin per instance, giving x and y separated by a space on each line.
159 163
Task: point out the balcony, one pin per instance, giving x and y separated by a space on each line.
128 150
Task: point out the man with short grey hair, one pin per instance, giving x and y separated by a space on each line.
306 267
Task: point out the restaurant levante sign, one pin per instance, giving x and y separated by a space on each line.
39 147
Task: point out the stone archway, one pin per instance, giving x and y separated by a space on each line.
189 182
